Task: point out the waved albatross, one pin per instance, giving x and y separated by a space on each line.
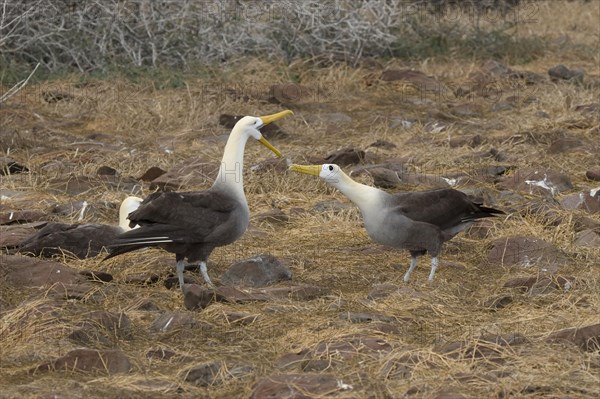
82 240
192 224
417 221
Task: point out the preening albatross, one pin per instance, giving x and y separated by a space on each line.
417 221
192 224
82 240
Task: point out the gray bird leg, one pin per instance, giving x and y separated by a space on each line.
205 274
413 264
434 265
180 267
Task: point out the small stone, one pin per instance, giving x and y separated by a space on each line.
561 72
587 238
24 271
21 217
305 385
241 318
587 337
197 297
9 166
384 144
356 317
345 157
333 206
303 292
498 302
380 291
152 173
142 278
106 171
274 216
97 276
524 252
588 201
170 321
259 271
593 174
89 361
565 145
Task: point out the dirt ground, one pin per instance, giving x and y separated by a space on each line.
472 332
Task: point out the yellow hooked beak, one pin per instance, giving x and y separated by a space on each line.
268 119
264 142
314 170
271 118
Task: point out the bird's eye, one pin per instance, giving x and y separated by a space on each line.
330 167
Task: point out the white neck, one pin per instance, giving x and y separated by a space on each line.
128 205
367 198
231 177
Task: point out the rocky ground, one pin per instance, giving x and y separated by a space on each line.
306 304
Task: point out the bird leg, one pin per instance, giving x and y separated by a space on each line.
205 274
434 265
413 264
180 267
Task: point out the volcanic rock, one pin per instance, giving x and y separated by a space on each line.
259 271
89 361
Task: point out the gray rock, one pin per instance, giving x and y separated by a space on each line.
89 361
259 271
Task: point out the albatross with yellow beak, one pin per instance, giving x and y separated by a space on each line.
192 224
417 221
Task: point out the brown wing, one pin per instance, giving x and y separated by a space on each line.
179 217
444 208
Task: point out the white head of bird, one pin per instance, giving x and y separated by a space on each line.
330 173
232 162
365 197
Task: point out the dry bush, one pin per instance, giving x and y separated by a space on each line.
93 35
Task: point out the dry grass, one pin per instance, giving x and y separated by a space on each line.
137 124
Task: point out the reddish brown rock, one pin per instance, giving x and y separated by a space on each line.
152 173
198 297
21 217
588 238
290 93
588 201
380 291
273 216
215 373
241 318
259 271
89 361
486 346
24 271
102 327
295 292
362 317
565 145
417 79
593 174
9 166
524 252
536 181
591 108
298 386
170 321
13 235
561 72
587 337
345 157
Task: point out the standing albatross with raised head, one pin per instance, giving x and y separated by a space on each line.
417 221
192 224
